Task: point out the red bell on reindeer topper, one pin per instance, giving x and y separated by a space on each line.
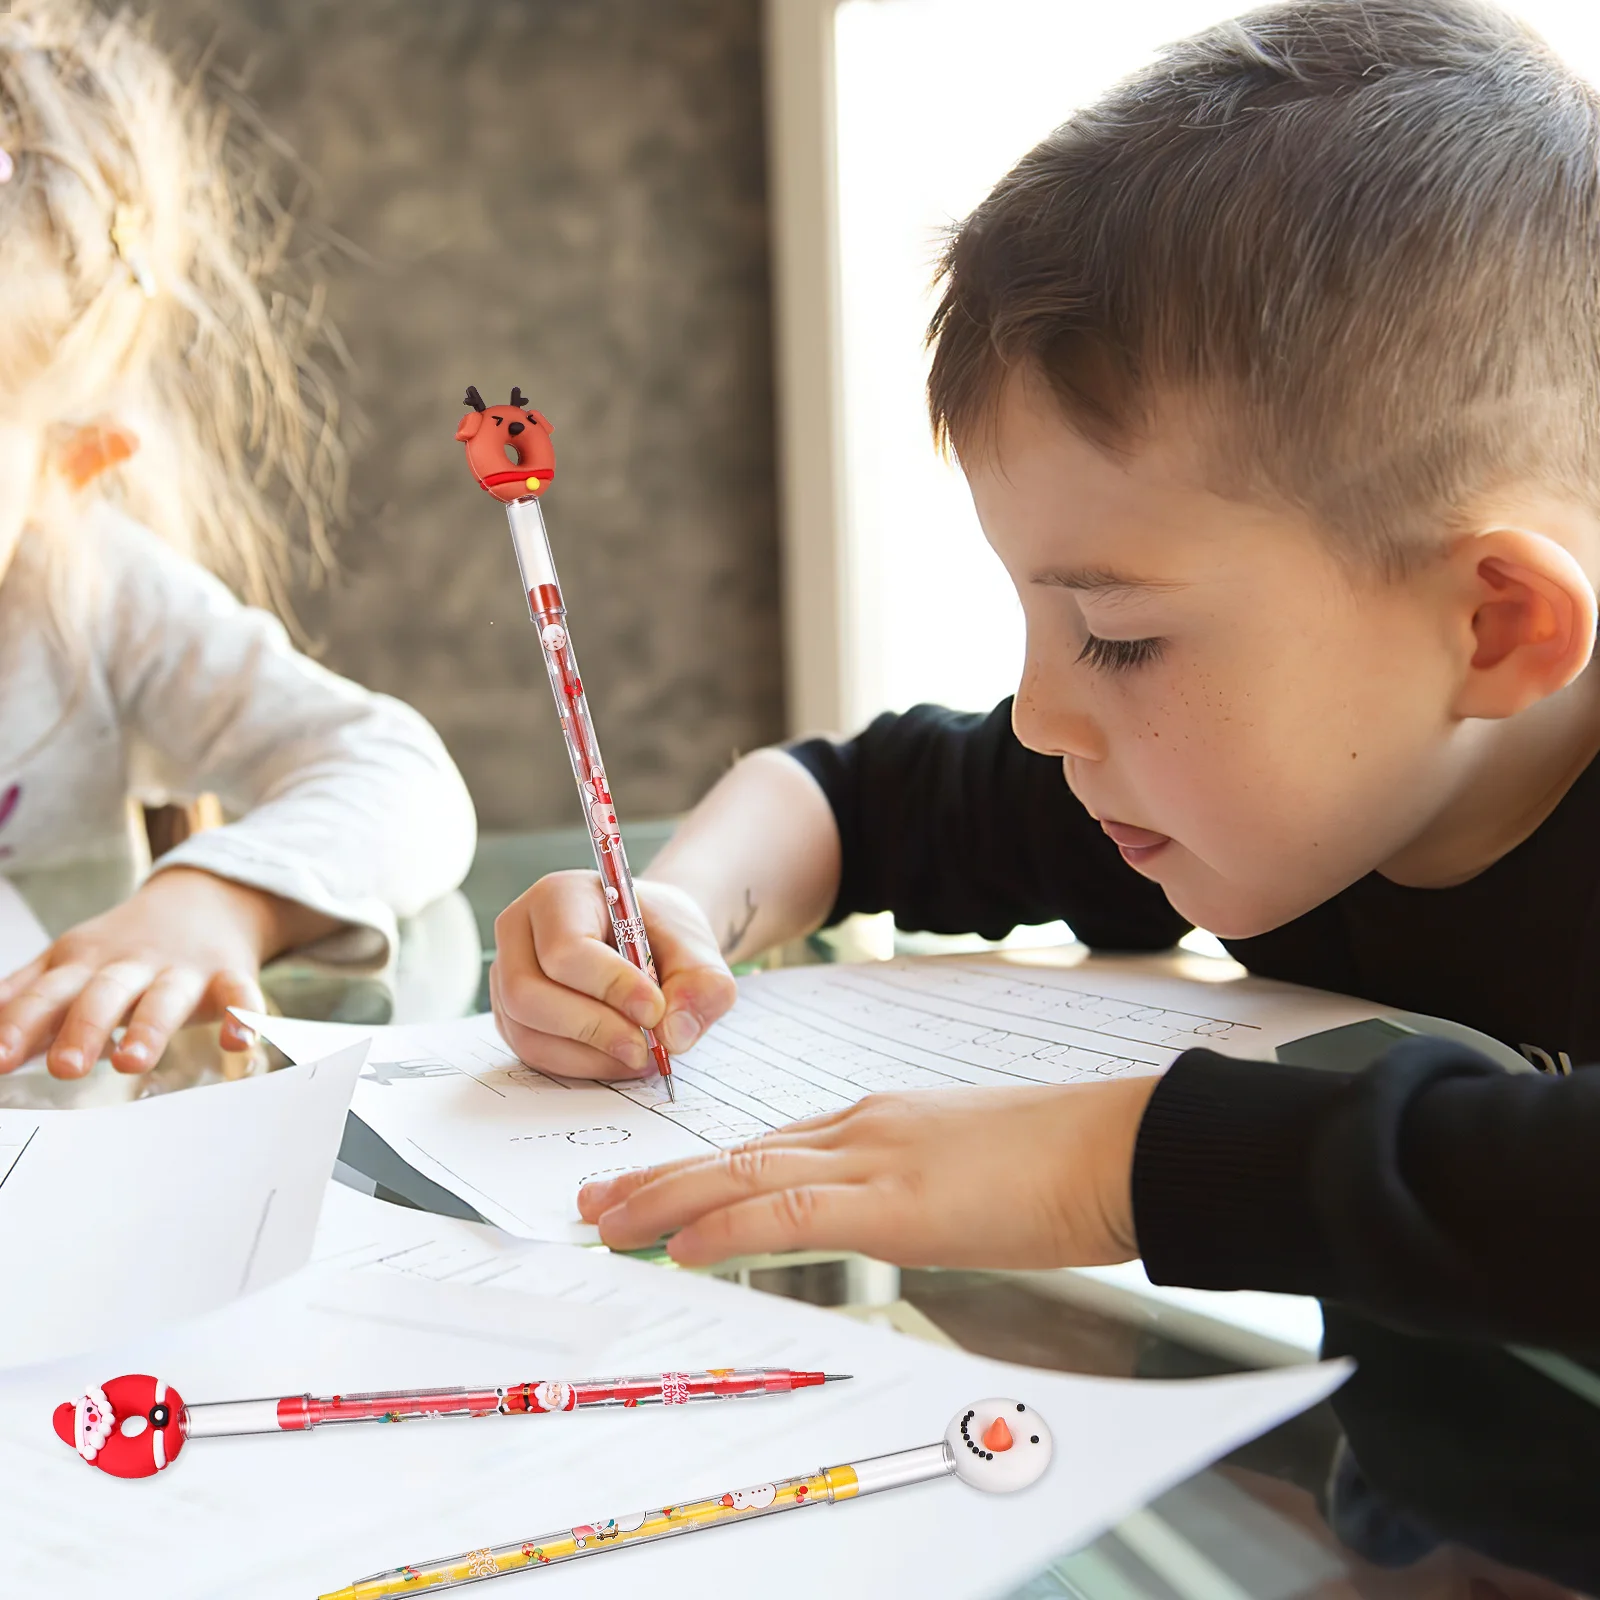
508 447
131 1428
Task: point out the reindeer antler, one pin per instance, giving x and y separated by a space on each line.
517 399
474 399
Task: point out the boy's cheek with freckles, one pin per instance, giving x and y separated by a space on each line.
1275 793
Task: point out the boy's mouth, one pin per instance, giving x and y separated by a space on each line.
1137 845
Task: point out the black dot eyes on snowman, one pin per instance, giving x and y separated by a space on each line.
1034 1439
1020 1406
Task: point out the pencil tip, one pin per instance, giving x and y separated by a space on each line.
837 1377
672 1093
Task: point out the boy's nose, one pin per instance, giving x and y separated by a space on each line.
1045 720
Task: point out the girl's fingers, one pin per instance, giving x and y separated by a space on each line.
16 982
674 1199
814 1216
101 1004
12 1052
164 1007
32 1017
232 989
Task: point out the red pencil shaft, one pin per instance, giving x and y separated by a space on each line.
538 1395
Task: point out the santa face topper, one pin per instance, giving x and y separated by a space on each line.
999 1445
131 1428
508 447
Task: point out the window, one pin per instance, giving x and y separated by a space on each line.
892 118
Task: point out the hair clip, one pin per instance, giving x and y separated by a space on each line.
8 167
127 234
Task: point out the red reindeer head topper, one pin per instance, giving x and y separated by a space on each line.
508 447
131 1428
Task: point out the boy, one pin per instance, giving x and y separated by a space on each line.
1276 379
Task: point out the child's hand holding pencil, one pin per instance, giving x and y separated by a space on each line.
568 1003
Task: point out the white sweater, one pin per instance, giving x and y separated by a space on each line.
345 801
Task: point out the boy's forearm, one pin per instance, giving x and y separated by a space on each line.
760 855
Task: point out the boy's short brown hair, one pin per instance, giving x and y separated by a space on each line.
1359 240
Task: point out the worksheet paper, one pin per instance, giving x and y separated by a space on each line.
452 1100
121 1218
273 1518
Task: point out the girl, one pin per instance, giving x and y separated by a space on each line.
156 397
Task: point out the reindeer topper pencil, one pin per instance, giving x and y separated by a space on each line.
494 437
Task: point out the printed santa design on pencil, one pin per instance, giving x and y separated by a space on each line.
131 1428
553 1395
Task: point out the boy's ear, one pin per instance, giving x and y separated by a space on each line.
469 425
1532 621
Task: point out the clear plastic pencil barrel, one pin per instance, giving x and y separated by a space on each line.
587 1539
549 612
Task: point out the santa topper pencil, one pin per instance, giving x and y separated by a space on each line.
495 435
996 1445
135 1425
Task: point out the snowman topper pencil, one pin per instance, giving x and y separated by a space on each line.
494 435
997 1445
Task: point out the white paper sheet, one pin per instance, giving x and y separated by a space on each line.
271 1518
122 1218
451 1098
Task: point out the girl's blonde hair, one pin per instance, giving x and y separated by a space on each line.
142 282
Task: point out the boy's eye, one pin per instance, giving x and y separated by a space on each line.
1119 655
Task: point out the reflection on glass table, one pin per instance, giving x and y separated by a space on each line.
1440 1470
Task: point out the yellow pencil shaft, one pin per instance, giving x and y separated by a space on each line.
612 1533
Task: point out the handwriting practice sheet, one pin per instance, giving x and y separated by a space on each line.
516 1144
299 1514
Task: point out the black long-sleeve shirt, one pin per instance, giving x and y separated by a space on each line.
1432 1190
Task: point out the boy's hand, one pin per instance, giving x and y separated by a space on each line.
567 1003
187 945
1036 1177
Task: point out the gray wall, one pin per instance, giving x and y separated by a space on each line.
566 195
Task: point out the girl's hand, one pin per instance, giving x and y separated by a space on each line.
1036 1177
187 945
566 1002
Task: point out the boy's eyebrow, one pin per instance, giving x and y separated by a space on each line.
1096 579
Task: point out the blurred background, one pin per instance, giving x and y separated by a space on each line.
701 235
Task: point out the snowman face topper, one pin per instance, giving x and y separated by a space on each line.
999 1445
131 1428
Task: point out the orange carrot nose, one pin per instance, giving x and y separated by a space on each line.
997 1436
